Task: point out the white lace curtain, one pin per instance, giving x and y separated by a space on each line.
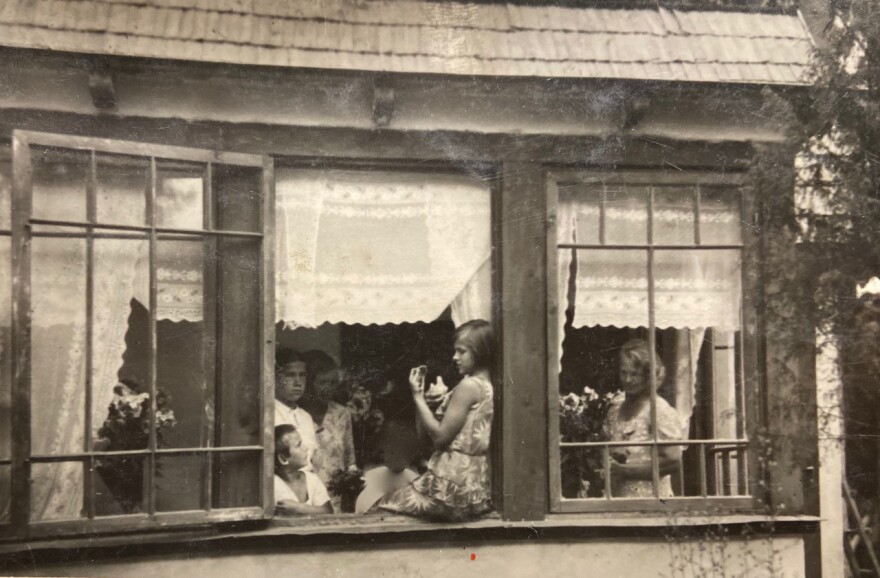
694 289
377 247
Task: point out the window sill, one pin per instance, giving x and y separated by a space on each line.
355 530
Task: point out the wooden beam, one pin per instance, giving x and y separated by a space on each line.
323 144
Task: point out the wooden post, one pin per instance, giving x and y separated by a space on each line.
524 295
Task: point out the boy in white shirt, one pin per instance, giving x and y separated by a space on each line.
290 385
297 491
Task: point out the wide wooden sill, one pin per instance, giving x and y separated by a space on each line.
358 531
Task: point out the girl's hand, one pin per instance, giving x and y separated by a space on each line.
417 380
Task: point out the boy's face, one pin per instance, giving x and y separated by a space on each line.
290 383
299 455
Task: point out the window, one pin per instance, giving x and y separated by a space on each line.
641 263
140 389
375 270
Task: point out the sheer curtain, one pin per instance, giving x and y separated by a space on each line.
380 247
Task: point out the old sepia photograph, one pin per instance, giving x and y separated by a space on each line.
464 288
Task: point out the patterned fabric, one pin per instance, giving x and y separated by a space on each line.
639 429
456 485
335 451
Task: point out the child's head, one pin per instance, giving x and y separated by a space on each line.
478 338
290 452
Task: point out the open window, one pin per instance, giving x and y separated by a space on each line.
642 263
141 307
375 270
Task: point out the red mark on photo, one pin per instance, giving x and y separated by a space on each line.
473 557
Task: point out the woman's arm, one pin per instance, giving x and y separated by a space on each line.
669 458
466 394
293 508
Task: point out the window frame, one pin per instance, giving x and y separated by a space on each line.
751 377
21 208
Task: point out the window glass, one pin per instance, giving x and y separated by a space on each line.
179 195
59 184
626 220
674 219
122 185
720 221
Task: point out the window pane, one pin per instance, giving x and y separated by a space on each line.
57 491
120 485
58 345
237 479
673 215
59 181
5 345
179 195
720 221
180 482
626 221
237 192
611 288
697 288
238 403
5 493
181 341
580 212
5 189
122 186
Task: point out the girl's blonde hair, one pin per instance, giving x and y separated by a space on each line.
478 336
639 351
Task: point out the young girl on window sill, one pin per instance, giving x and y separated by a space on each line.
297 491
456 485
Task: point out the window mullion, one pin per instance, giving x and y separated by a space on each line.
652 346
91 217
22 183
151 354
211 351
267 343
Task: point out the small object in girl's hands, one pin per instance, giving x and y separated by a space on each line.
437 390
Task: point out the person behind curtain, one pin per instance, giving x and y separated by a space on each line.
456 485
335 451
290 386
297 490
629 419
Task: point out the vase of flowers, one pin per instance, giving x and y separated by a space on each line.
347 485
126 428
581 419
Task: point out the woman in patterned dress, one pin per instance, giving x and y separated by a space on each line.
335 452
456 485
629 419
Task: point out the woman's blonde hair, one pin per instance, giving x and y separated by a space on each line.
639 351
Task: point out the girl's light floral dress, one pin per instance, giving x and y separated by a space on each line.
456 485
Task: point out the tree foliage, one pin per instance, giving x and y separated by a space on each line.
823 217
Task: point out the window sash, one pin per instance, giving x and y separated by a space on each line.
89 230
746 361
